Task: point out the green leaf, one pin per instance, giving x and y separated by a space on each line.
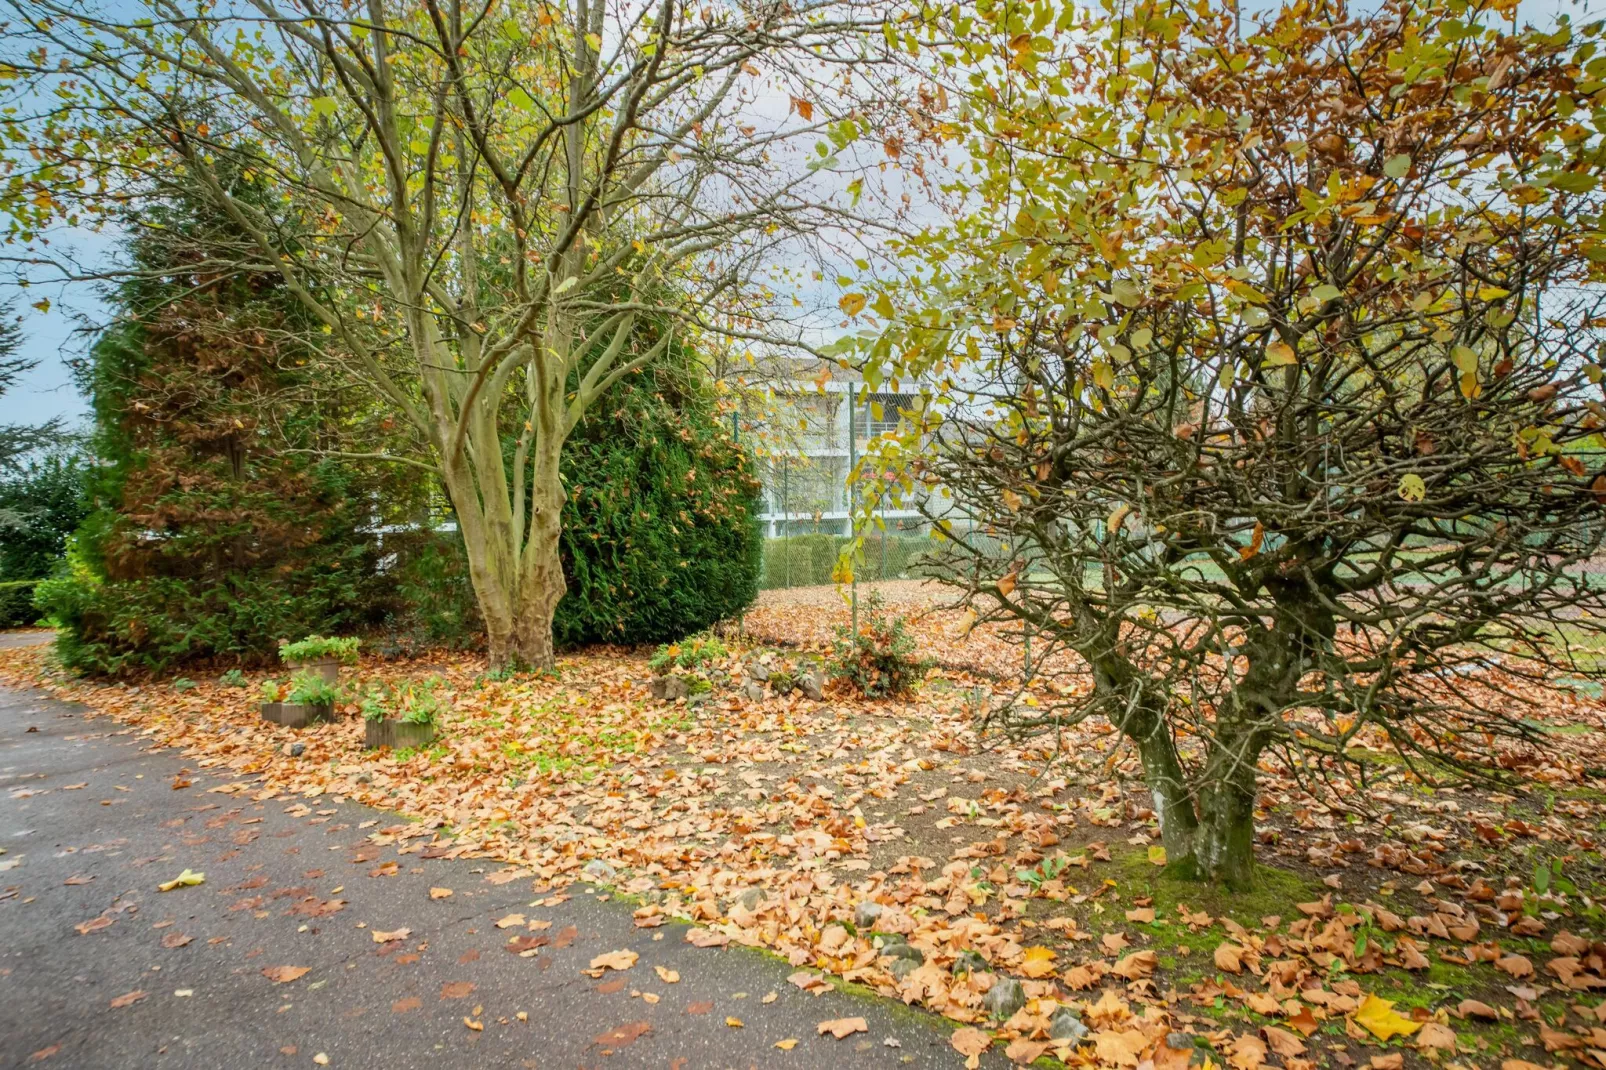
521 100
324 105
1326 292
1397 166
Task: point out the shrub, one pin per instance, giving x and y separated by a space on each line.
40 505
410 703
660 537
311 689
232 678
878 660
690 654
318 648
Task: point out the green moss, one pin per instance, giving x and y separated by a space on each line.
1275 891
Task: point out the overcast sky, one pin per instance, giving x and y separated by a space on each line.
56 336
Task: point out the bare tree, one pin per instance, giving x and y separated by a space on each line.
1279 408
493 211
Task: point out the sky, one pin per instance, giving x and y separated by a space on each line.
56 336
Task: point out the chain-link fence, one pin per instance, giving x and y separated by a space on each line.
808 558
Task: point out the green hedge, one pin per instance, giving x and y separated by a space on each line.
16 603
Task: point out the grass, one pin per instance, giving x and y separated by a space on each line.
1275 891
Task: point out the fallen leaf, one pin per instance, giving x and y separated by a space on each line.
283 975
128 998
786 1045
440 893
187 879
510 921
94 925
478 1027
842 1027
1038 962
734 1023
666 975
394 934
970 1042
1023 1052
622 1036
1229 957
402 1006
615 960
1435 1036
1381 1020
700 1007
174 939
456 989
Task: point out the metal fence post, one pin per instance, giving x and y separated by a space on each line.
786 515
853 501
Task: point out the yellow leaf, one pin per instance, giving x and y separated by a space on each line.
786 1045
967 622
851 304
186 879
666 975
1380 1019
1038 962
1011 499
1157 855
1278 354
1412 489
734 1023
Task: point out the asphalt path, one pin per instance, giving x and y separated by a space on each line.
98 969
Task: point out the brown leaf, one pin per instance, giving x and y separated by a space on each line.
283 975
1023 1052
388 937
622 1036
1282 1042
700 1007
1476 1009
1435 1036
174 939
456 989
841 1027
1229 957
1138 965
129 998
615 960
1516 965
409 1003
970 1042
94 925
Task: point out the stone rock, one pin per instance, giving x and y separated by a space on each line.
1066 1025
969 962
865 915
753 691
1178 1041
902 967
599 871
812 684
364 778
898 949
297 749
667 688
758 671
782 684
1004 998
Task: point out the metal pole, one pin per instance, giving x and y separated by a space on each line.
853 500
786 512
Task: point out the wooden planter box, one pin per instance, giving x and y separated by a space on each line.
328 668
295 715
397 734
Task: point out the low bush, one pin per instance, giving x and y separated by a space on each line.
687 654
878 660
418 702
311 689
319 648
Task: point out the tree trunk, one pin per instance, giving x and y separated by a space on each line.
1224 849
542 587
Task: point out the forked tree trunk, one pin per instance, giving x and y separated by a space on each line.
1208 829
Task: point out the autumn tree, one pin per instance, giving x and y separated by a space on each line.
494 211
1264 363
